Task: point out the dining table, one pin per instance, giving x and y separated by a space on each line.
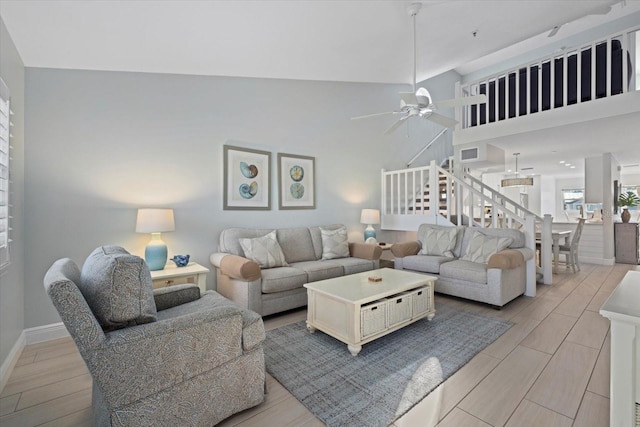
556 236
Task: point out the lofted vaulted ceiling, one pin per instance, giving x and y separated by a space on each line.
353 41
330 40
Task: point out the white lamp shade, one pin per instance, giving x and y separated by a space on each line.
155 221
370 216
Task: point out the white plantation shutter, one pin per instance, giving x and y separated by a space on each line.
5 132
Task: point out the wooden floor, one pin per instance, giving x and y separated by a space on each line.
550 369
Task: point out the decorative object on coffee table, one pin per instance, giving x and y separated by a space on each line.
296 182
247 179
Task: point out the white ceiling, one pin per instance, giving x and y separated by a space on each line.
356 41
331 40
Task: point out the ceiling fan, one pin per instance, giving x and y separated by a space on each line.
419 102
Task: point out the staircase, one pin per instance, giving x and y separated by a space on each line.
407 203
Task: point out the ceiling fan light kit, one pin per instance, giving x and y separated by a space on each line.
419 103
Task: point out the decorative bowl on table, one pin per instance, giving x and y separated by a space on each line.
181 260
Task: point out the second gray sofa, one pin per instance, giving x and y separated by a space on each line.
481 264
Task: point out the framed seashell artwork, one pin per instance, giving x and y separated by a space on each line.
296 182
247 179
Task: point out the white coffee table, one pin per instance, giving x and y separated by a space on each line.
356 311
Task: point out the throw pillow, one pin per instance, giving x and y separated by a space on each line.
481 247
118 288
265 251
334 243
440 241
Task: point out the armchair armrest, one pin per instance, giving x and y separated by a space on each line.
506 259
401 250
185 346
236 267
365 251
172 296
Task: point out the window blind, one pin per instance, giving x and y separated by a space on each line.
5 146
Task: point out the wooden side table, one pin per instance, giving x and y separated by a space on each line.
173 275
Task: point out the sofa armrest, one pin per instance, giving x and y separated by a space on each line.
401 250
365 251
172 296
506 259
236 266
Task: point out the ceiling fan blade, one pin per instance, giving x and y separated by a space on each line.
442 120
396 125
374 115
459 102
409 98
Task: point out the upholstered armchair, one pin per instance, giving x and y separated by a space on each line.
166 359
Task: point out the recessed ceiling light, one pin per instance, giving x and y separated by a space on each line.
567 164
572 167
509 170
561 161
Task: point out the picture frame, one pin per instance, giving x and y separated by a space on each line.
296 182
247 179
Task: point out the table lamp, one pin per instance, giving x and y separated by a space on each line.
155 221
369 217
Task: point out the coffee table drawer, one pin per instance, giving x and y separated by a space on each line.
373 318
399 308
422 301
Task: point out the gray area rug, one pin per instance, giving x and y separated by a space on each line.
388 377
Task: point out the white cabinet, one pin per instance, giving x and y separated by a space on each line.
623 309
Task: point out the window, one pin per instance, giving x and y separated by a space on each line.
5 124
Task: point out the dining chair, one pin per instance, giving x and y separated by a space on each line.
570 251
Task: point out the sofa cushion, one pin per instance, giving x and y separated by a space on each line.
316 237
440 242
334 243
230 239
481 247
424 228
424 263
355 265
516 235
265 251
319 270
296 244
282 279
464 270
118 288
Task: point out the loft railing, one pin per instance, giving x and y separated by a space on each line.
432 195
575 76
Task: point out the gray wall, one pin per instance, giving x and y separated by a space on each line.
12 280
102 144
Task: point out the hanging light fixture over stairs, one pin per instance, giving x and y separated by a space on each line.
517 181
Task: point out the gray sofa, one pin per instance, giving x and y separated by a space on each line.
468 265
272 290
164 358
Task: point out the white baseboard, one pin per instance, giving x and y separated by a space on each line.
45 333
29 336
11 360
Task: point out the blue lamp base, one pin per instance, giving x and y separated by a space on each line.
155 254
369 232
